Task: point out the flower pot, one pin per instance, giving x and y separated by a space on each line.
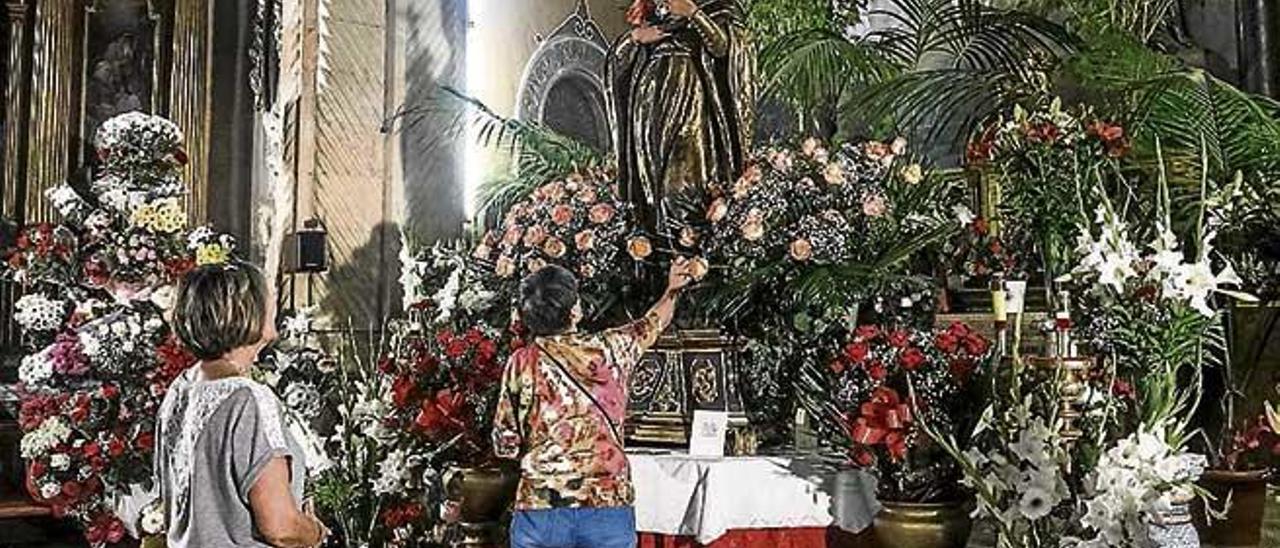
1243 523
922 525
1271 517
483 495
1172 528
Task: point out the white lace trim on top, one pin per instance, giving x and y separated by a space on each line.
187 417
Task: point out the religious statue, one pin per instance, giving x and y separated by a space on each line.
681 98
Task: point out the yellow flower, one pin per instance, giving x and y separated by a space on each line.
913 174
211 254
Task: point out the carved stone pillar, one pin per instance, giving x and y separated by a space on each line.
189 95
52 127
15 109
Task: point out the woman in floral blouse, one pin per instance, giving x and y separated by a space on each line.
563 401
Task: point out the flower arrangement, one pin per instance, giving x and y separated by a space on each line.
578 222
1136 483
1151 314
102 355
888 379
1039 159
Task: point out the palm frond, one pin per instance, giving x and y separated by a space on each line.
814 67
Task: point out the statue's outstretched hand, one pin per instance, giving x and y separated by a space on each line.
647 35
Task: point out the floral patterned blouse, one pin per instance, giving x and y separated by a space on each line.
570 455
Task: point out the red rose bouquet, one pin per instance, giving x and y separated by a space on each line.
886 381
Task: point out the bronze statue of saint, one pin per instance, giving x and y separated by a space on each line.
681 99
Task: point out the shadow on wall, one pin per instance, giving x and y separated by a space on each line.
365 296
434 41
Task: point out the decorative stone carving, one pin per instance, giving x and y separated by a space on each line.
563 83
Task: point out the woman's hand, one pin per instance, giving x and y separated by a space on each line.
683 8
647 35
679 276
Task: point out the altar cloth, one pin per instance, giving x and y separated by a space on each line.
703 498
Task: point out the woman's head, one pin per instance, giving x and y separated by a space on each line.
549 301
221 309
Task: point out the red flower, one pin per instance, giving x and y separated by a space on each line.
181 156
857 352
439 413
1122 389
899 338
946 342
474 336
980 227
386 365
866 332
837 366
91 449
877 371
912 359
144 442
961 369
36 469
975 345
1045 132
402 391
456 348
105 529
444 337
863 458
115 447
884 421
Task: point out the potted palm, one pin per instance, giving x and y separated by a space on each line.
886 382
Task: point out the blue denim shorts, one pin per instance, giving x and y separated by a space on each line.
574 528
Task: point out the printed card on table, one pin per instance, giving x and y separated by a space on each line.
706 438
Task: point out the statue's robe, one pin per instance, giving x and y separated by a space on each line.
682 108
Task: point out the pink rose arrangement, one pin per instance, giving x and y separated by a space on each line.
578 222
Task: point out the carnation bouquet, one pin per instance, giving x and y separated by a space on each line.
885 381
93 315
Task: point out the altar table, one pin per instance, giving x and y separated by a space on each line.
731 502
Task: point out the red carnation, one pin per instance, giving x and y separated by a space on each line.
456 348
145 441
912 359
867 332
857 352
877 371
975 345
899 338
115 447
474 336
402 390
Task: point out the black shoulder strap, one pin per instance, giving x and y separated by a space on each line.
613 428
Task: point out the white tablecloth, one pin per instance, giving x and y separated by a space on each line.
703 498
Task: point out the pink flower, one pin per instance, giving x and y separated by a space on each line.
562 214
505 267
534 236
585 240
833 174
801 250
601 213
639 248
873 205
718 210
753 226
781 160
554 248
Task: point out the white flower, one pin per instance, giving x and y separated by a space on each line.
50 490
59 462
36 312
1035 503
153 519
299 324
48 435
35 369
392 473
963 214
446 299
64 199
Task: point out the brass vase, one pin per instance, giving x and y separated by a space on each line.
922 525
484 495
1243 523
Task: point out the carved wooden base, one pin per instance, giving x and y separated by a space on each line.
686 371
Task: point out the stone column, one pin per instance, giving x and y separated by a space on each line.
54 118
189 95
15 110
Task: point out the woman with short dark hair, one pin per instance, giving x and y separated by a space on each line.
229 472
560 413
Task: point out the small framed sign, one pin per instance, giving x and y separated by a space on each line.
706 438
